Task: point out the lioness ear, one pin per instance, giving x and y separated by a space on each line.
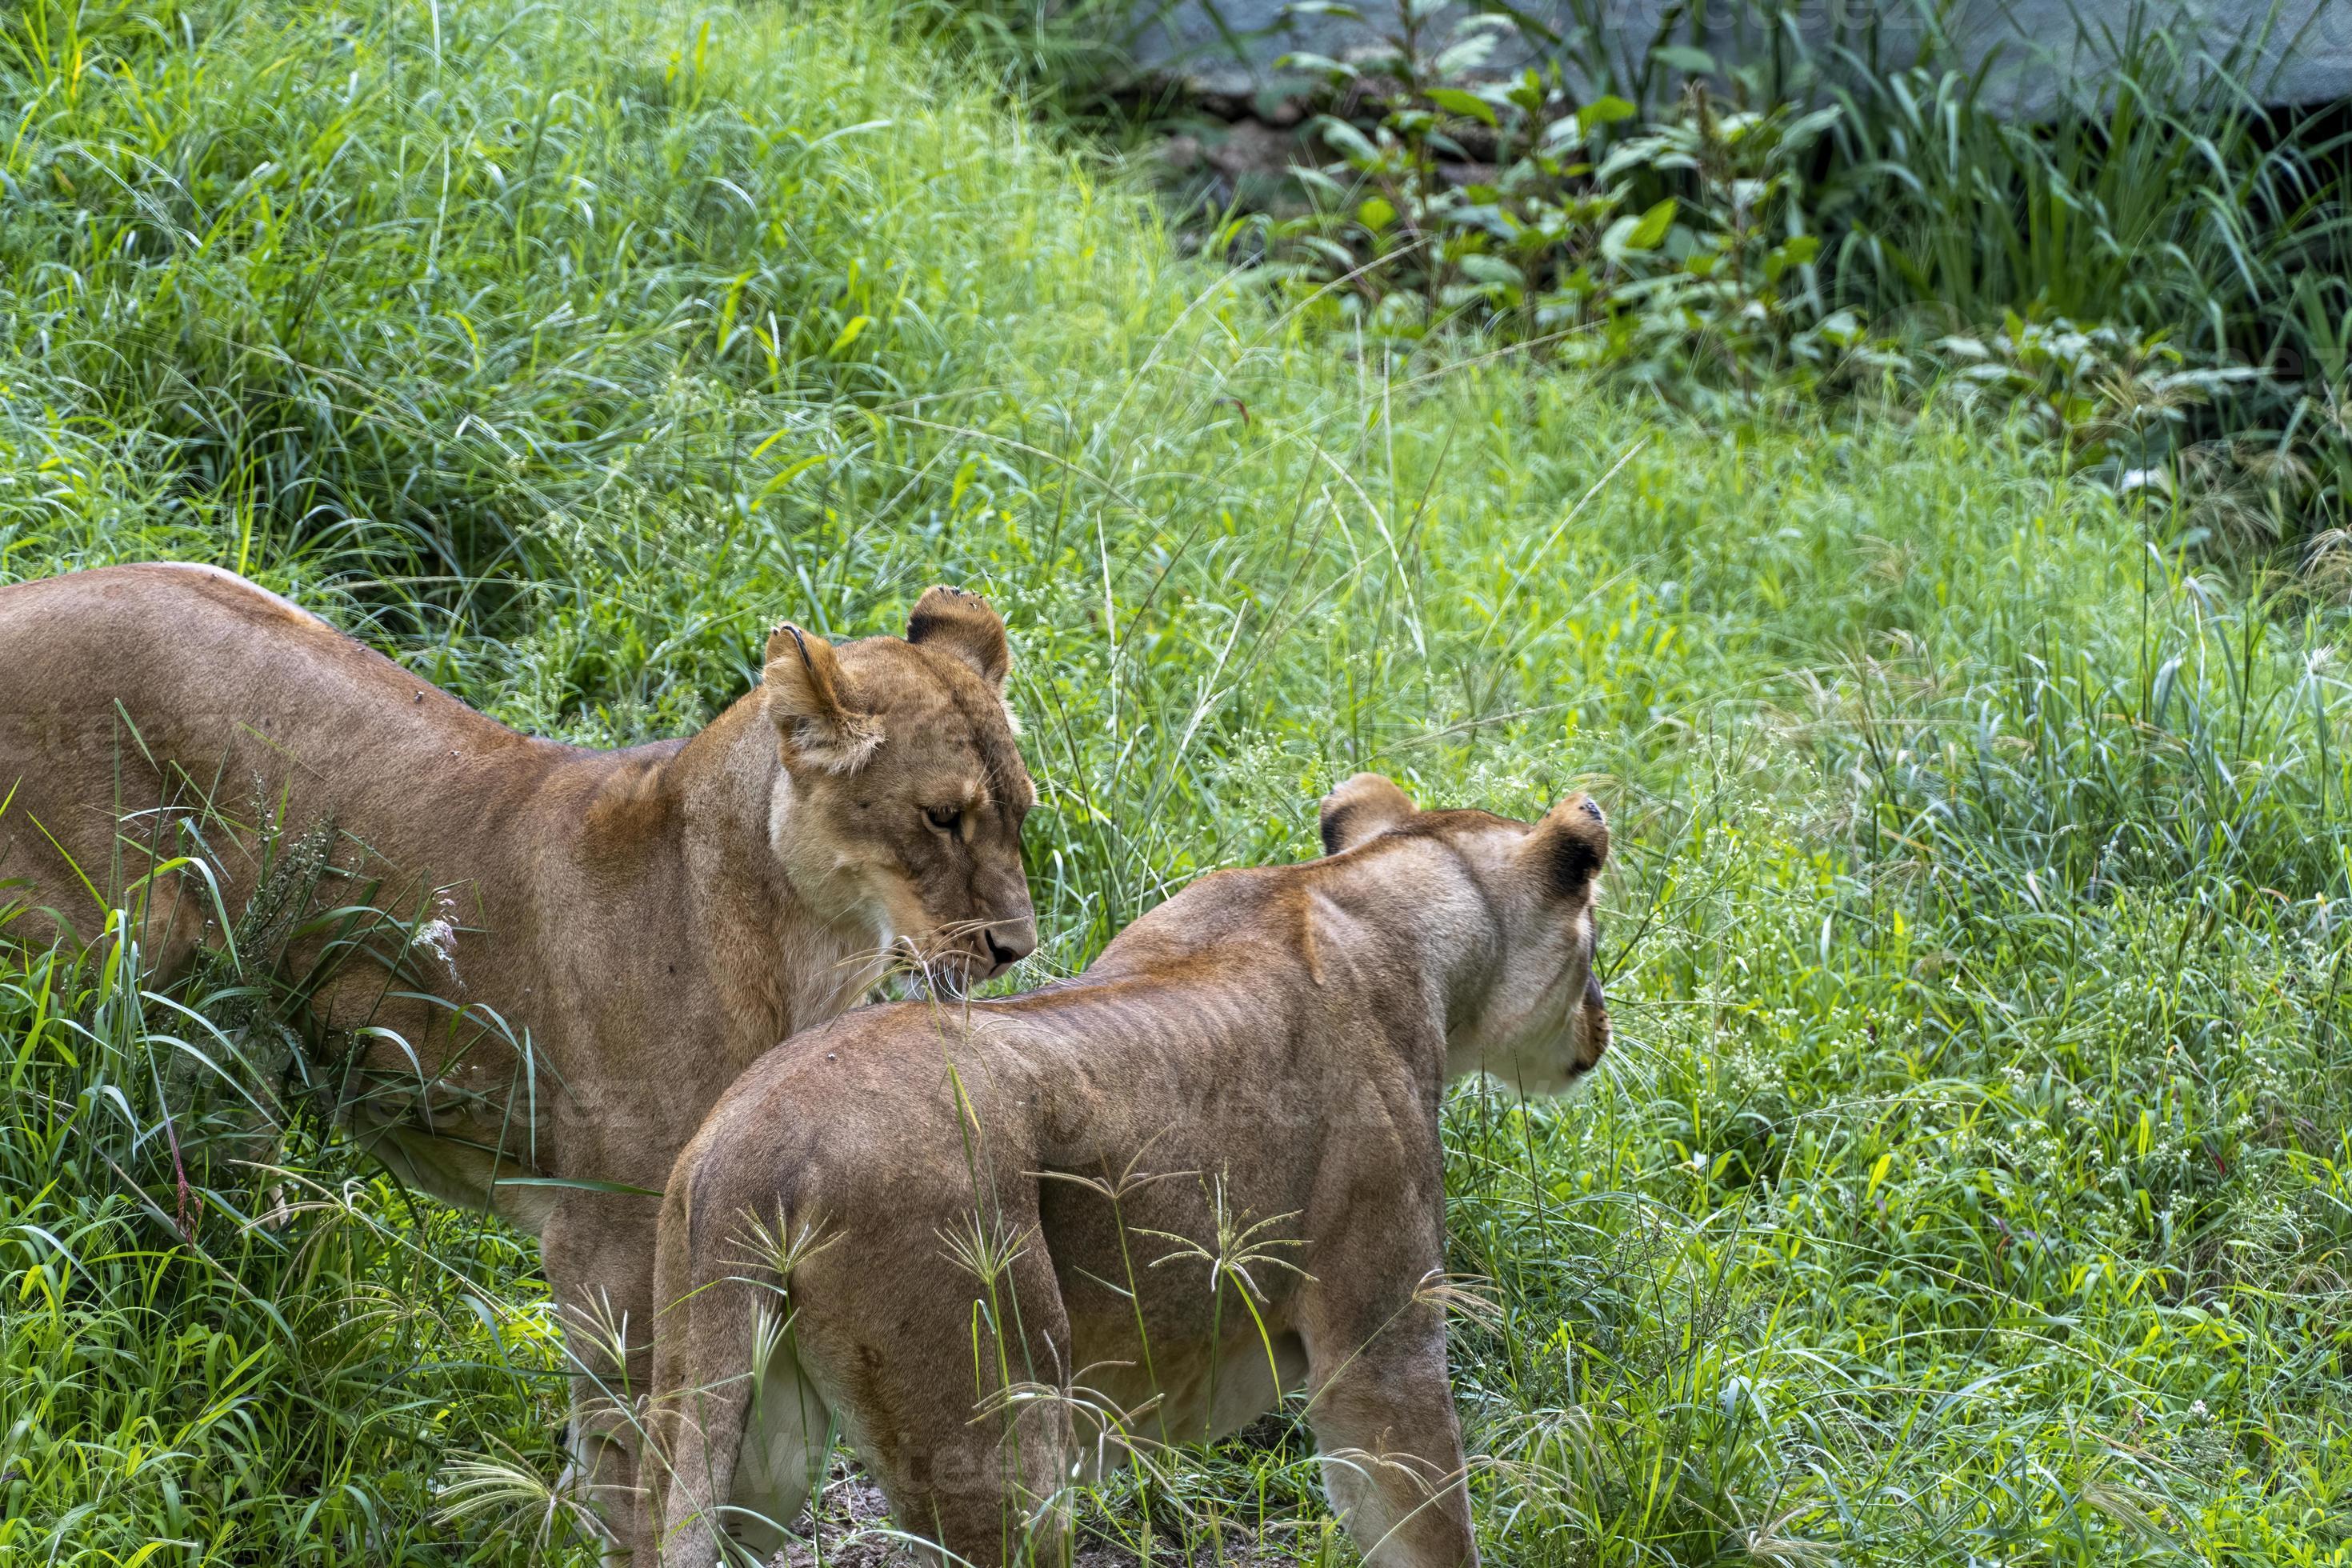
961 624
806 703
1364 806
1569 846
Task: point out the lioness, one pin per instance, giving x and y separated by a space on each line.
1207 1166
607 937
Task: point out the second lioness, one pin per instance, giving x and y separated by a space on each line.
985 1237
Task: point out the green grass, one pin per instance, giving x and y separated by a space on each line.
1970 1183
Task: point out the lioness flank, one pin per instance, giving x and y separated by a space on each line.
999 1242
601 940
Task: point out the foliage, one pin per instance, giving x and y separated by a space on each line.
220 1341
1835 220
2155 199
1969 1180
1672 249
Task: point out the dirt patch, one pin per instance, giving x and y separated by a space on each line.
853 1521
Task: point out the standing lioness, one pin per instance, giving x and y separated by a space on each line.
984 1237
606 938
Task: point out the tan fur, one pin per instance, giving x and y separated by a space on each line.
1263 1056
644 922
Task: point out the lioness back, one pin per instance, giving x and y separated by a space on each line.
151 711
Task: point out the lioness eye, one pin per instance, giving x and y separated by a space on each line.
943 817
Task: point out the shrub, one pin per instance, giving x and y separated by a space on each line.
2158 258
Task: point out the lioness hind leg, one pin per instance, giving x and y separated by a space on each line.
785 1440
987 1477
704 1364
1392 1449
720 1509
989 1491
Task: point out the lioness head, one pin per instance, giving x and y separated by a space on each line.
1538 1019
905 789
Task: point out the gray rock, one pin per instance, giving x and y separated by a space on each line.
2292 52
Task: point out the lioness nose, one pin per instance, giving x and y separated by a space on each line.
1010 949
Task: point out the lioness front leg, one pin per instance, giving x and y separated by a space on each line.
598 1251
1391 1447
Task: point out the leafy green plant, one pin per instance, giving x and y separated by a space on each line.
1823 222
1674 250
